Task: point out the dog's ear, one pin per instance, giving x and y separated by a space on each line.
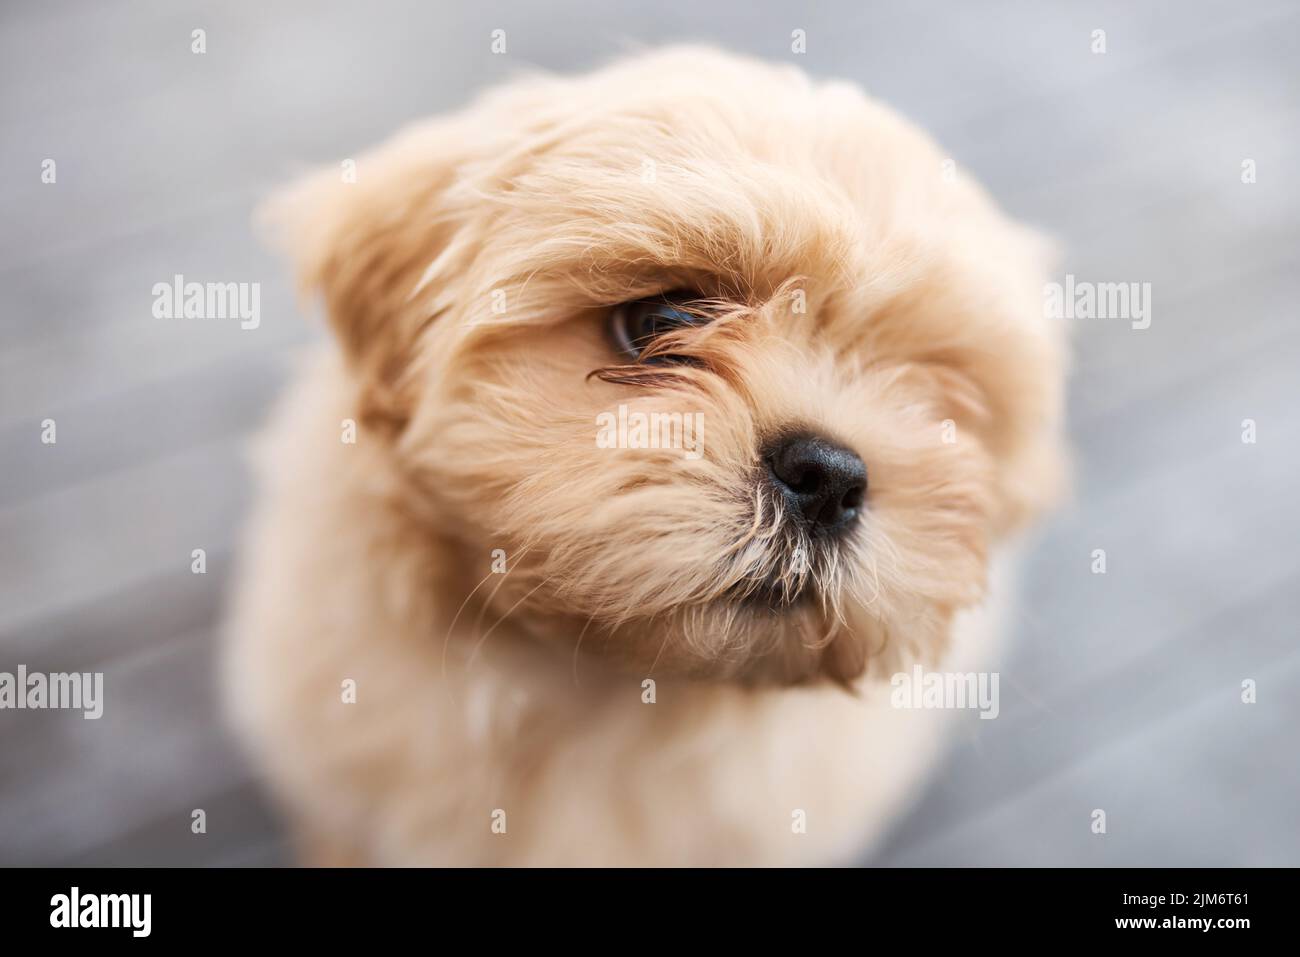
361 235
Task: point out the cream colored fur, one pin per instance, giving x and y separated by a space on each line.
855 289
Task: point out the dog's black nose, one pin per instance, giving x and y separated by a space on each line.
822 482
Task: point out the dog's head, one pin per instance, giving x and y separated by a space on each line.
739 372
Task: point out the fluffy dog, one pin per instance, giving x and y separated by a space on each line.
476 632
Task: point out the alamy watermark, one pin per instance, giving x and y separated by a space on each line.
76 691
75 909
651 430
179 299
1098 300
976 690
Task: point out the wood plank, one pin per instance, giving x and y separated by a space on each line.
72 784
90 540
1163 808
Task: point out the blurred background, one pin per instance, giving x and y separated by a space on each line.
1122 691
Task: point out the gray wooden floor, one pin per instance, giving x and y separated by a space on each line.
1122 691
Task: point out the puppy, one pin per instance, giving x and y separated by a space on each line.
671 410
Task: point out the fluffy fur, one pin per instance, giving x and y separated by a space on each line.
855 290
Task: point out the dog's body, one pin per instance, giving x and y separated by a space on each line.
474 636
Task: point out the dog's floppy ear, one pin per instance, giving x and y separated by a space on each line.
361 235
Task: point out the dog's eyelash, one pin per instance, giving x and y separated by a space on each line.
638 375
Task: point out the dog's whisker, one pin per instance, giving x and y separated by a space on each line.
667 637
578 645
446 642
754 526
487 603
875 579
484 637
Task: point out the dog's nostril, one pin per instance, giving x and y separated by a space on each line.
808 483
824 482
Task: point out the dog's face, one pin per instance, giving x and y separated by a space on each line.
843 339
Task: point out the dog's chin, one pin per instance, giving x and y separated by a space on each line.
769 633
775 634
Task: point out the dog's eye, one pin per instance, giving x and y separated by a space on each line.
634 325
